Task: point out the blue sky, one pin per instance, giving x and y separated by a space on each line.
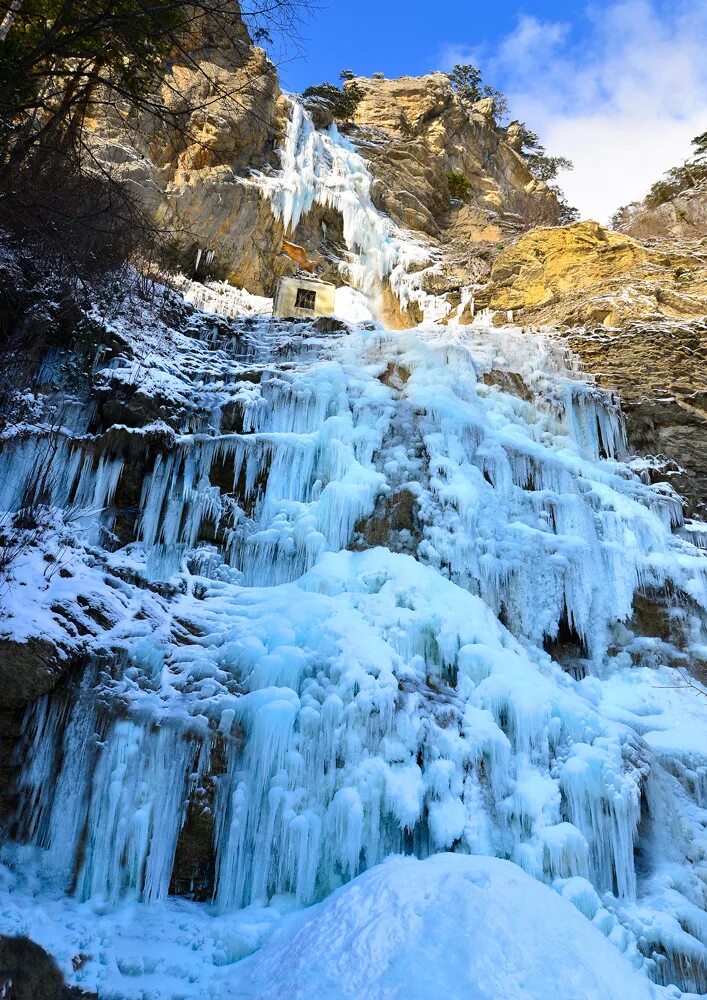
399 37
620 86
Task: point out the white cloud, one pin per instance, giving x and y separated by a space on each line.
532 42
622 101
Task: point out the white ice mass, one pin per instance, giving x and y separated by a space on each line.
376 599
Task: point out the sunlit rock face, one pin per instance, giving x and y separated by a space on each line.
223 96
634 315
414 131
200 180
586 275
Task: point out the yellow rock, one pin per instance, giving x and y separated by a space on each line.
546 263
584 274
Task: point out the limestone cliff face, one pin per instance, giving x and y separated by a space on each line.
414 131
638 305
660 371
228 117
585 275
197 178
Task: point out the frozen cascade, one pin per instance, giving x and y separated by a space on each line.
328 684
324 168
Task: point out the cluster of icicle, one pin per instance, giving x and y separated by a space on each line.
369 702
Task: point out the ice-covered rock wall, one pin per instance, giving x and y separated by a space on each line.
379 596
341 595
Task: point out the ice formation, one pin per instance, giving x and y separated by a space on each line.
221 298
358 594
325 168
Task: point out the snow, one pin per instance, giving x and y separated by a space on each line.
224 299
352 306
324 168
370 702
450 926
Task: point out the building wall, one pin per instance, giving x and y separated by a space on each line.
286 296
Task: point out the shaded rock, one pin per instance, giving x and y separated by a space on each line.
660 371
10 735
28 972
393 524
28 669
329 324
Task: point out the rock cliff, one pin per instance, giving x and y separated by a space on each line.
639 304
224 116
415 132
585 275
684 215
201 174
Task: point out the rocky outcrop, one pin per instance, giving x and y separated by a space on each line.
418 137
683 216
225 116
28 669
585 275
415 132
660 370
197 178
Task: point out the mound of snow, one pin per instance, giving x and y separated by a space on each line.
451 927
352 305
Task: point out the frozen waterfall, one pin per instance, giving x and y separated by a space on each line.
342 595
315 680
325 168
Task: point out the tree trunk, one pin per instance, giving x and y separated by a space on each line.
9 18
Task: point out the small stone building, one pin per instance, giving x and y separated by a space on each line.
304 297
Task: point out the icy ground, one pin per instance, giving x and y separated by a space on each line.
376 598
